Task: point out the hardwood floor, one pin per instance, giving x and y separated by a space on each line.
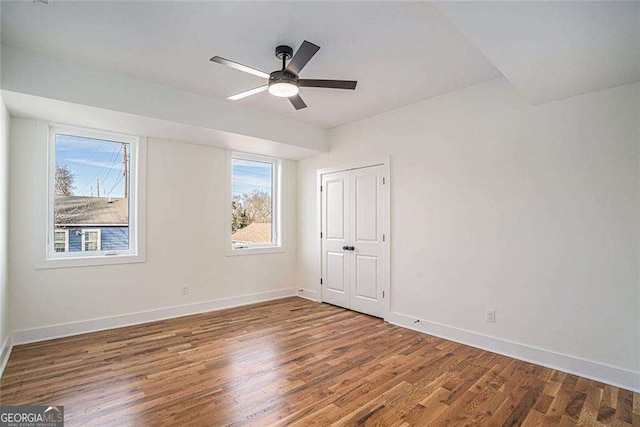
295 362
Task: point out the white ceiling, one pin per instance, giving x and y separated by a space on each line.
555 50
400 52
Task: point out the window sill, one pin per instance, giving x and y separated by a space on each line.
90 261
255 251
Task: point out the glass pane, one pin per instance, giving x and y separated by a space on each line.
91 190
251 203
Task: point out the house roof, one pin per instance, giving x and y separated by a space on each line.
256 232
81 210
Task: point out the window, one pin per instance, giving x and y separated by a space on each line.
255 203
93 208
61 241
91 240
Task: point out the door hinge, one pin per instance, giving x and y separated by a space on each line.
384 180
321 188
321 234
384 237
382 294
321 281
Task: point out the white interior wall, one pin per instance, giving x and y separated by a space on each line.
185 231
4 225
530 210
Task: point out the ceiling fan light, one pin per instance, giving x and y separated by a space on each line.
283 89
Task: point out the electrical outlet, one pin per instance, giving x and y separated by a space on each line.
491 315
185 289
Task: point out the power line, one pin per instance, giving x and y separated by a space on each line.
111 167
95 176
115 185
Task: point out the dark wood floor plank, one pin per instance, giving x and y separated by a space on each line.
295 362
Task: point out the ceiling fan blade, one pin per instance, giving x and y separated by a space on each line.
248 93
302 56
331 84
297 102
240 67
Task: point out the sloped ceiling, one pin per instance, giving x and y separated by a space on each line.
554 50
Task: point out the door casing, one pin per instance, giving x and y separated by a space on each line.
385 162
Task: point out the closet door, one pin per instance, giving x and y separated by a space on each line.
352 239
335 237
366 239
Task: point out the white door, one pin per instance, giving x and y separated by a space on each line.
352 240
335 236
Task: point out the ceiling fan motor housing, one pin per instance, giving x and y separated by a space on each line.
283 76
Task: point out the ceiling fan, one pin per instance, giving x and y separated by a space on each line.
285 83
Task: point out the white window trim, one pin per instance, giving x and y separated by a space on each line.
137 186
66 238
277 216
91 230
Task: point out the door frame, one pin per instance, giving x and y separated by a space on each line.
385 162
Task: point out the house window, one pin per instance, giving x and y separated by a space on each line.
91 240
255 202
61 241
93 187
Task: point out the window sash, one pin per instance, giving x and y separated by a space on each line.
133 155
64 241
87 239
276 178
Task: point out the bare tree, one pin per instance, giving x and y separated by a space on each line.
64 180
256 207
238 216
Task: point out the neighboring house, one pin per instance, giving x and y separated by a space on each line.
256 232
91 224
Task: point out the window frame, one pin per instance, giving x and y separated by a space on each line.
84 240
277 244
66 239
136 198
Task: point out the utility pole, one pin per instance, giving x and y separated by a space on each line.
98 187
125 170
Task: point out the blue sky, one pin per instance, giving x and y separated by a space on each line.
91 160
249 176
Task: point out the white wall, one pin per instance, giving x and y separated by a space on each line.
4 224
530 210
185 232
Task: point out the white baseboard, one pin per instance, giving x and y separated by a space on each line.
44 333
5 352
308 294
613 375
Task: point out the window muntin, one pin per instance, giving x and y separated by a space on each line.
92 189
255 204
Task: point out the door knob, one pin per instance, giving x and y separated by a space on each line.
345 248
350 248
